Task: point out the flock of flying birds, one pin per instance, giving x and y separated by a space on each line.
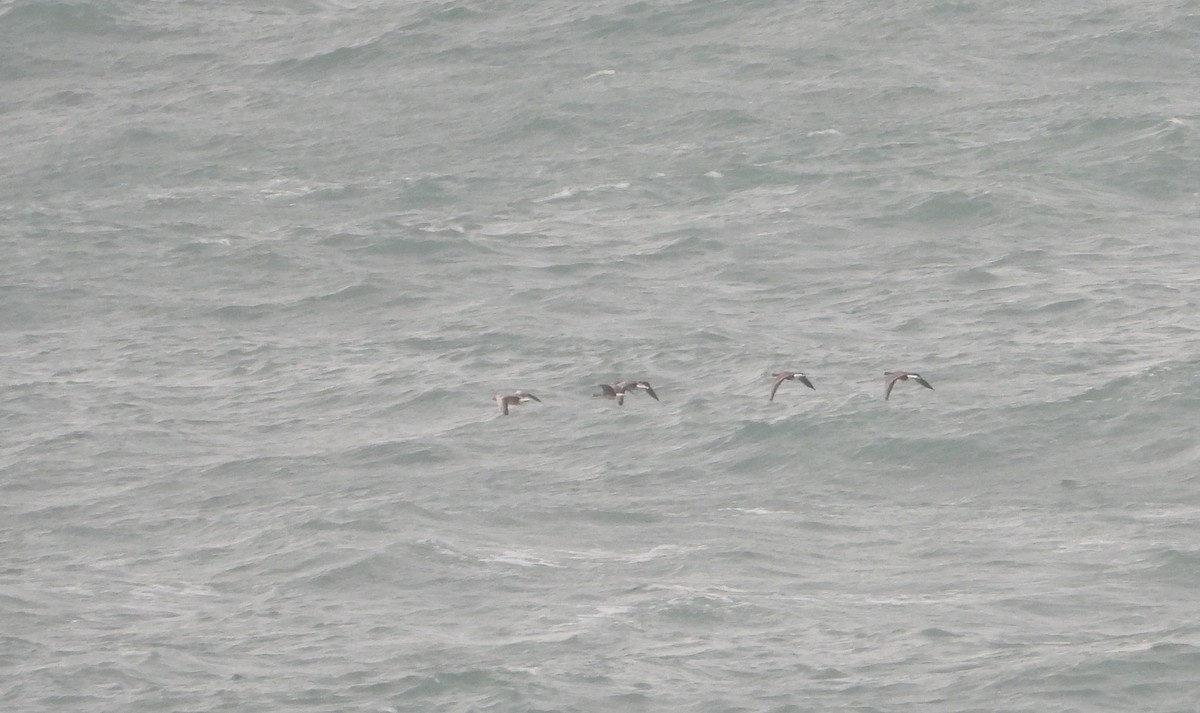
617 391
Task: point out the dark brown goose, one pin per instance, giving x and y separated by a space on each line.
891 377
636 385
610 391
618 390
789 376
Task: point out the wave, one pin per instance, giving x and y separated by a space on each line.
64 17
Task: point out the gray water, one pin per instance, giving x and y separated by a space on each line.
265 265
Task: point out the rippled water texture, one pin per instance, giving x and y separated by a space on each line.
266 264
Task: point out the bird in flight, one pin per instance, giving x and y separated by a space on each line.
618 390
789 376
891 377
518 397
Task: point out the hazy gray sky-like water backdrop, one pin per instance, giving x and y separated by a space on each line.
266 263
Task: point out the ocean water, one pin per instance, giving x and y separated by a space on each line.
265 265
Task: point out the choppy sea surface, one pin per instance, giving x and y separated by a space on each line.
265 264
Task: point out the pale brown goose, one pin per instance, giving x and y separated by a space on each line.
517 397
